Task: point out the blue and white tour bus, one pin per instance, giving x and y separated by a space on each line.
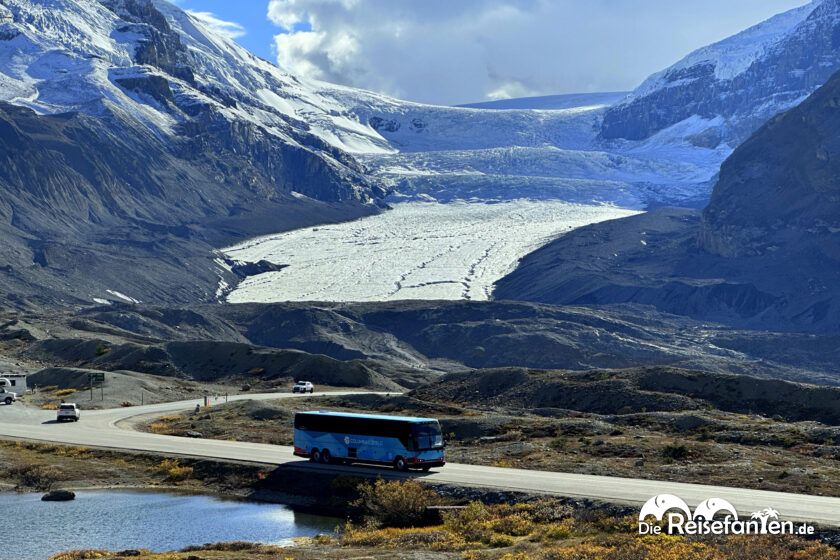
341 437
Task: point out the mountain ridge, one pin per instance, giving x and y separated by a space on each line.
739 82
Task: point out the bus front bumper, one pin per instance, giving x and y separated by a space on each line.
419 463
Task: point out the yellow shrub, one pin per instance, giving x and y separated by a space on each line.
65 392
427 538
76 452
159 428
559 531
516 525
173 470
517 556
473 523
80 555
501 541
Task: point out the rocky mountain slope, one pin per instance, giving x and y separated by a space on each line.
404 341
764 253
130 133
735 85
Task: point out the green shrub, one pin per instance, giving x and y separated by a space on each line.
675 451
396 503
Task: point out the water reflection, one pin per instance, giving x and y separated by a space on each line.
119 520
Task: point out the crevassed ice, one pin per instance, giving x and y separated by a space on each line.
415 251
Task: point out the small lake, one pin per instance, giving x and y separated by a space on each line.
121 520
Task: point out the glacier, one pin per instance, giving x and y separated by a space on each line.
418 250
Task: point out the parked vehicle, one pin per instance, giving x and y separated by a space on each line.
303 387
68 411
400 441
7 396
14 382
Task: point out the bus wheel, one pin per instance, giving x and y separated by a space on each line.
315 456
326 457
400 464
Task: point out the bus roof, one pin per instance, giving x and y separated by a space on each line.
410 419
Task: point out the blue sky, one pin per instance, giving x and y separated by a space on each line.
251 15
460 51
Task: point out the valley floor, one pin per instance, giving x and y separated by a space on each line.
415 251
698 446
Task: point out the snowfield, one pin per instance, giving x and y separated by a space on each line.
415 251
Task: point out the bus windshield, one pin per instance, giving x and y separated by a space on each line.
427 436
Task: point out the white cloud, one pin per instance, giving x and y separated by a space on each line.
229 29
458 51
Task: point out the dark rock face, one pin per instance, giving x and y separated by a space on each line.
765 252
780 189
775 81
203 361
155 87
246 269
243 153
653 389
161 47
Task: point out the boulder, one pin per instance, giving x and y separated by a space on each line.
59 496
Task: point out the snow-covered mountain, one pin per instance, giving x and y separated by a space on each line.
130 133
148 63
732 87
154 63
155 137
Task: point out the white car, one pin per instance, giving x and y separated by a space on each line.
67 411
303 387
7 396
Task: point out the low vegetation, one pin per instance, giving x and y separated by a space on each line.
697 445
552 530
41 478
544 529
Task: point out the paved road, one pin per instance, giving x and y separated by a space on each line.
112 429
